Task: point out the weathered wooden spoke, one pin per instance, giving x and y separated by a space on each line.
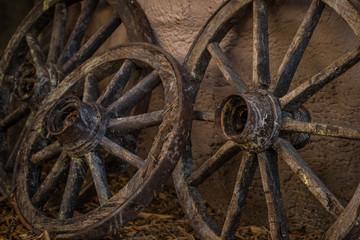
46 154
51 182
5 183
121 152
90 88
57 35
75 179
74 42
287 69
97 169
203 116
36 53
11 161
225 153
137 122
9 80
146 120
243 181
302 93
14 117
90 47
288 153
261 68
117 84
329 130
270 180
132 97
226 68
345 226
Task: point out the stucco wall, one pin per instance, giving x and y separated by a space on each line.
335 161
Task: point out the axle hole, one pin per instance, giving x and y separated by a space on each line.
64 114
239 119
232 114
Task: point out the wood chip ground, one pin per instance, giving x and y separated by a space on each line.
163 219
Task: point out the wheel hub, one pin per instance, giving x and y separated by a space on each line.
78 126
33 83
252 120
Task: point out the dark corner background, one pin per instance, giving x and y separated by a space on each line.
12 13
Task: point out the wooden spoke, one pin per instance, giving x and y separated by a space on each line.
48 153
270 180
74 41
243 181
301 94
226 152
97 169
346 225
204 116
146 120
57 34
117 84
321 129
137 122
51 181
9 80
15 116
75 179
87 191
90 88
36 53
285 74
261 67
121 152
135 94
5 183
226 67
288 153
33 180
90 47
10 162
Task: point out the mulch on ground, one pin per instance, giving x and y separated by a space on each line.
163 219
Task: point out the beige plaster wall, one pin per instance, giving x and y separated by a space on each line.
335 161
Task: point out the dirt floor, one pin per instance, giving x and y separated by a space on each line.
163 219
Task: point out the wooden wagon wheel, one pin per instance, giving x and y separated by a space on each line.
263 122
51 41
78 134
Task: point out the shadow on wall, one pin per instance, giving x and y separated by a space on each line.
12 13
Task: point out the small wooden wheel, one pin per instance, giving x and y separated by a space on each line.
52 41
75 134
264 122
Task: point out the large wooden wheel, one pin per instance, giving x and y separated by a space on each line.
73 135
264 121
53 40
